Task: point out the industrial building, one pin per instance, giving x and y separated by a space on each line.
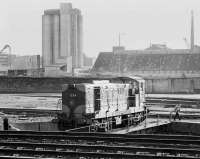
155 61
26 66
62 40
13 65
149 63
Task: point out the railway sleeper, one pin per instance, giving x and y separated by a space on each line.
18 134
44 154
127 141
111 149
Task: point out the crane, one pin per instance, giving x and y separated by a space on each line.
9 52
5 47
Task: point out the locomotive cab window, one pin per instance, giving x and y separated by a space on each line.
142 87
137 90
97 101
131 98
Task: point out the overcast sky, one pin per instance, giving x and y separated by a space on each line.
141 21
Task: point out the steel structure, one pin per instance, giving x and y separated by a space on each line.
9 53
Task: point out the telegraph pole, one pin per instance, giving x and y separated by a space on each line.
10 58
119 39
118 54
192 32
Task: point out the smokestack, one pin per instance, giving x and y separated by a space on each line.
192 32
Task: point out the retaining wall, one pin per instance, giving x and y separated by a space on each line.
184 128
36 85
173 85
54 85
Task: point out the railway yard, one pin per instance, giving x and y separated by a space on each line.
23 144
67 95
84 145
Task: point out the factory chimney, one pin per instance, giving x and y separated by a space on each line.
192 32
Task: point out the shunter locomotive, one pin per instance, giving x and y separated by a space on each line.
103 105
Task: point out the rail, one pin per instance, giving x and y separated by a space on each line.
105 148
99 138
95 145
92 154
99 134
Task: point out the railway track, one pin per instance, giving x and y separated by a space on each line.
164 107
172 101
97 145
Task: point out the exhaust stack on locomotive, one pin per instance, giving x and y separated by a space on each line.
103 104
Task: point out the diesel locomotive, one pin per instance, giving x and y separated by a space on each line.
103 104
